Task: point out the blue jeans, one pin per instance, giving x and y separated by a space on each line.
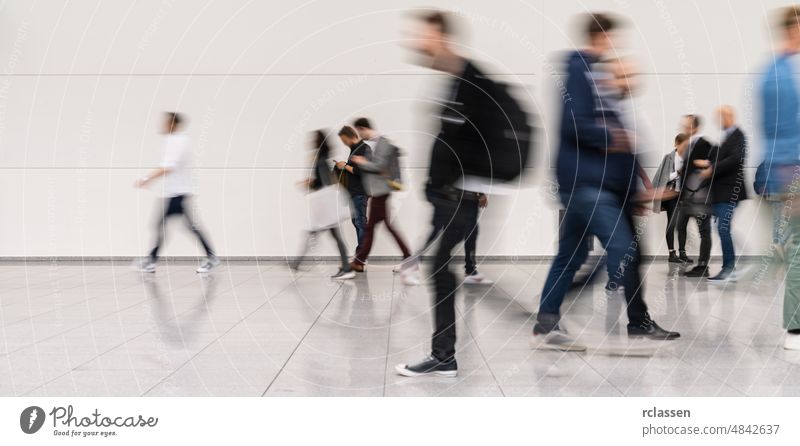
603 214
723 214
358 208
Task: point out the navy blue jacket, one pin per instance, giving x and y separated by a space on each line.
585 135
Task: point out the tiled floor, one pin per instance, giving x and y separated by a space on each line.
254 329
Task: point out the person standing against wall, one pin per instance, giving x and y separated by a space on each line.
727 190
176 169
669 178
694 200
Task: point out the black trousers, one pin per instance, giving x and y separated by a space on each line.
703 227
441 218
459 213
177 206
671 207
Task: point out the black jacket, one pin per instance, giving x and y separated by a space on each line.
727 185
353 180
701 150
459 135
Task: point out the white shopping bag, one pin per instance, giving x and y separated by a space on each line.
327 207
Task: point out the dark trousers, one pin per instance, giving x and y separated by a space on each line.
177 206
442 218
605 215
358 208
337 237
723 214
703 227
458 213
671 207
471 240
379 212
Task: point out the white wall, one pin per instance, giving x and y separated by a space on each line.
82 85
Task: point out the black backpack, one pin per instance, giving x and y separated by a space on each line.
506 133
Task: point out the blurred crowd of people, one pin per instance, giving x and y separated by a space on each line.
484 138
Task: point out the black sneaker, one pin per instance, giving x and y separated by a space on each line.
673 258
429 366
650 329
684 258
698 271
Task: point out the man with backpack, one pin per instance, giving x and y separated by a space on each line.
381 175
469 155
597 178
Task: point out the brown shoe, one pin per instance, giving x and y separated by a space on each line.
357 267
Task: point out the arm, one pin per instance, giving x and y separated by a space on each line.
378 163
152 176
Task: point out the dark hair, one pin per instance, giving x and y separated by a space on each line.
790 17
680 138
363 123
348 132
321 143
438 19
599 23
695 120
174 118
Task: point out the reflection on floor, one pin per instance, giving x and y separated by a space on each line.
99 329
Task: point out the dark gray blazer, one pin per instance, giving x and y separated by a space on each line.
662 176
377 167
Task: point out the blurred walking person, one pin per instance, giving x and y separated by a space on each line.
484 138
597 176
381 175
350 175
177 190
322 179
776 176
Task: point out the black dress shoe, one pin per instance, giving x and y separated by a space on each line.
684 258
650 329
698 271
429 366
673 258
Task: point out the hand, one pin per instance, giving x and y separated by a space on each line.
483 201
358 159
620 143
340 165
706 173
141 183
702 163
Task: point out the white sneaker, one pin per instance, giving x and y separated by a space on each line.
792 342
344 275
211 263
406 265
144 265
476 278
556 340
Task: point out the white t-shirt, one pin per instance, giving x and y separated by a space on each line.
178 159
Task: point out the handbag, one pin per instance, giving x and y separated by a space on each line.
327 207
694 195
